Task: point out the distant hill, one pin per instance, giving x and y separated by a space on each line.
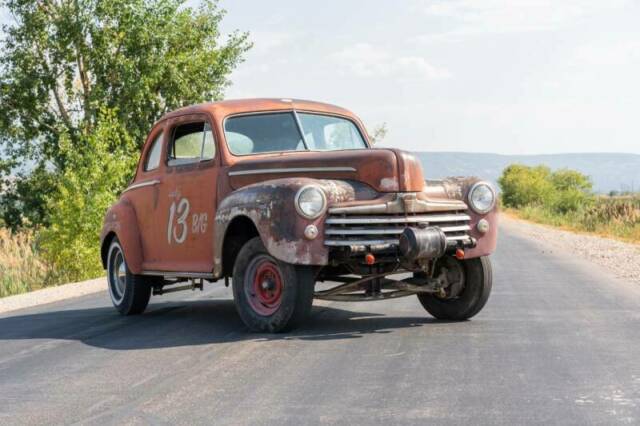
607 171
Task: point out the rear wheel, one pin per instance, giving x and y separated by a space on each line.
270 295
469 285
129 292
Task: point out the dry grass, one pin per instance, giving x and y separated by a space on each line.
616 217
20 268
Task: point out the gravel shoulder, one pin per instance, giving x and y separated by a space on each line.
52 294
619 258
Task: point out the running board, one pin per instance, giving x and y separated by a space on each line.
196 283
170 274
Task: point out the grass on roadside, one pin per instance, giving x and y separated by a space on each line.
21 270
617 217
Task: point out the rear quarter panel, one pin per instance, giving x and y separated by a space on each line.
121 221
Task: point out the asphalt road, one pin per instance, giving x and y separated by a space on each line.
558 343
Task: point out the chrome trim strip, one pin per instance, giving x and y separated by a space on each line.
348 243
290 170
387 231
141 185
168 274
458 238
400 205
404 219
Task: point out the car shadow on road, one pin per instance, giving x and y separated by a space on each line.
174 324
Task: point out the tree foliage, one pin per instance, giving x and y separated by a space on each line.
561 191
522 185
81 83
64 62
95 173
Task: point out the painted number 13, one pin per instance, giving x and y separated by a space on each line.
178 231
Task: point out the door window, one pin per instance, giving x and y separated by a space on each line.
153 156
192 142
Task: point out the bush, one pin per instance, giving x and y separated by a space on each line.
561 191
95 174
525 186
563 198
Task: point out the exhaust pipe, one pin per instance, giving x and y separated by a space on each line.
427 243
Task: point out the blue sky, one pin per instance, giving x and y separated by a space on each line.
514 77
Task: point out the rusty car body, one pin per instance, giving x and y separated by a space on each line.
296 188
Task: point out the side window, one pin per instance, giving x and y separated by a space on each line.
153 156
342 135
191 142
209 145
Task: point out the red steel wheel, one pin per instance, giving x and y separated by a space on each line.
264 286
270 295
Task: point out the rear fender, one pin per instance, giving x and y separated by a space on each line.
122 222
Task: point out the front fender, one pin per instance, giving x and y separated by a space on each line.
121 220
458 188
270 206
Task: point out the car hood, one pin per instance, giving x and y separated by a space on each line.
385 170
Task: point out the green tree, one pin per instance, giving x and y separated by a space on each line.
523 186
95 173
64 62
567 179
573 190
561 191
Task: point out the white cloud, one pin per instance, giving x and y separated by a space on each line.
265 42
609 54
365 60
504 16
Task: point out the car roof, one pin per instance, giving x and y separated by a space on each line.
238 106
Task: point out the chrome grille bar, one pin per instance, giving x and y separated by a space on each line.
382 229
385 242
387 231
360 220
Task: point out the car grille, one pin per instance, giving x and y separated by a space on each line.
344 230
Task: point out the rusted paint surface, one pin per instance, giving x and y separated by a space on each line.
410 177
486 243
458 188
376 167
121 220
270 206
150 219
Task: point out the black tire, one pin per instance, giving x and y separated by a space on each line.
478 279
129 292
270 295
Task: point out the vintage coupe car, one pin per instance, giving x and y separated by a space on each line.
278 195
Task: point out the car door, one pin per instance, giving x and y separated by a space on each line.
143 193
187 197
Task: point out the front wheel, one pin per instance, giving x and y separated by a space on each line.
270 295
469 285
129 292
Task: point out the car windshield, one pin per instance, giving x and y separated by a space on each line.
278 132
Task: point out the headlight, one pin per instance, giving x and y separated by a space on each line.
310 202
482 197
